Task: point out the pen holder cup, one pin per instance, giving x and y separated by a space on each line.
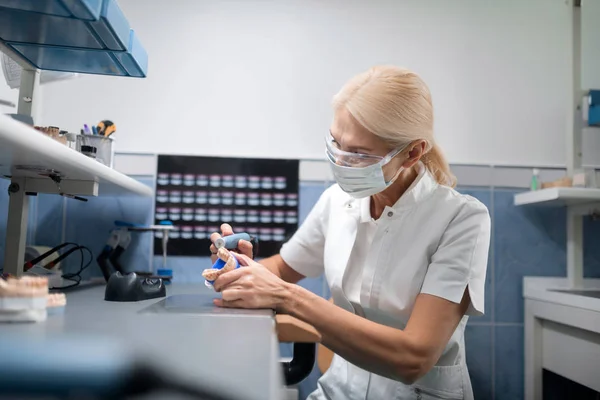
104 147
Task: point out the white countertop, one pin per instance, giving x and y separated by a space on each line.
231 348
542 288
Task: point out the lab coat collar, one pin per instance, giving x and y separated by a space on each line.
423 185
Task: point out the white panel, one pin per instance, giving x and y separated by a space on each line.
590 44
572 353
135 164
256 77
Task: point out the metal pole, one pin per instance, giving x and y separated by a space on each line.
16 228
30 83
574 151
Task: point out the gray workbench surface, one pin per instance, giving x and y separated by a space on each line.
184 332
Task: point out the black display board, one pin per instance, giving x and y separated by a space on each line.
198 194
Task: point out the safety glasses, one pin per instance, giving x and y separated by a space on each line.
355 160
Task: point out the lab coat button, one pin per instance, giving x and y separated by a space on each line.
349 205
390 214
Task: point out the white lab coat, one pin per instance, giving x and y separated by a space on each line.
433 240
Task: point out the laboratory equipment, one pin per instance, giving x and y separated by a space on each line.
119 240
231 242
131 287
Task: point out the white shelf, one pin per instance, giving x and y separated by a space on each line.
559 196
21 145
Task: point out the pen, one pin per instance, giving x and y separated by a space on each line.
87 129
94 131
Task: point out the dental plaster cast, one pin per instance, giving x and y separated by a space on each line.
211 274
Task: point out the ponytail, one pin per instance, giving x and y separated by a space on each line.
437 165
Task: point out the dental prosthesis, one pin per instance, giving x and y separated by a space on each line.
27 299
225 262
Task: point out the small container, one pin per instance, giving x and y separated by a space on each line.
240 199
239 216
200 232
214 215
280 182
535 180
174 233
266 183
104 147
292 199
162 196
252 216
166 273
214 198
254 182
227 181
291 217
266 199
187 214
279 217
188 197
201 197
266 217
175 196
279 199
215 181
200 214
187 232
227 216
266 234
176 179
71 140
89 151
162 179
201 180
175 213
253 199
241 182
278 234
161 213
227 198
189 179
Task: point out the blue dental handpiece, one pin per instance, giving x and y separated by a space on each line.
231 242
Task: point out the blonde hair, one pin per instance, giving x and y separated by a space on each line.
395 104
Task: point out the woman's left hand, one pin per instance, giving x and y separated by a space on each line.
251 286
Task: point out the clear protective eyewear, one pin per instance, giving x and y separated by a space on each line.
355 160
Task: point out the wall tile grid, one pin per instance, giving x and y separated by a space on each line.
526 241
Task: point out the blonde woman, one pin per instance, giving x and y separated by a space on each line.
405 254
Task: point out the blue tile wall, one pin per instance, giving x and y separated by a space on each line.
508 354
3 216
89 224
591 248
526 241
49 210
479 348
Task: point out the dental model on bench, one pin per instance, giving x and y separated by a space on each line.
26 299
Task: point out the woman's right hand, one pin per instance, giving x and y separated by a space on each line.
244 247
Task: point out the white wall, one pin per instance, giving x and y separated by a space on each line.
255 77
9 94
